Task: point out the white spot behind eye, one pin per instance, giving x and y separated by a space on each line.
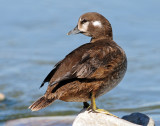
97 23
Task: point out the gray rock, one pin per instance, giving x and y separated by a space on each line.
139 118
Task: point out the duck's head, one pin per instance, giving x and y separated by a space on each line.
94 25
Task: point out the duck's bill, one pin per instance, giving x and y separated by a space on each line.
74 31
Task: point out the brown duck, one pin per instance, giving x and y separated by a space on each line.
89 71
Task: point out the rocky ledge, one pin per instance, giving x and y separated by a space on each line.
85 118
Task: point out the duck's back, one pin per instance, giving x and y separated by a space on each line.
83 61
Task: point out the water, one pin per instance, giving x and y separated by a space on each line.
33 38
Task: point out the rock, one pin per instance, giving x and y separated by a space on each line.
139 118
2 97
87 118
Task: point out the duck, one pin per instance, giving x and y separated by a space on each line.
89 71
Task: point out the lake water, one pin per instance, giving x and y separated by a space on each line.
33 38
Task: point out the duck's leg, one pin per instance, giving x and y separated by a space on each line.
94 108
93 102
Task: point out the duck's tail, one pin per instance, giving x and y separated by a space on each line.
42 102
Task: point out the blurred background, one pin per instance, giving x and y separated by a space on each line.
33 38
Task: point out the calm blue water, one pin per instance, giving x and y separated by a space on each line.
33 38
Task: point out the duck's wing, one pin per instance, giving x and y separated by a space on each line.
84 65
81 69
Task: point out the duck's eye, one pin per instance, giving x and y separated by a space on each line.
83 21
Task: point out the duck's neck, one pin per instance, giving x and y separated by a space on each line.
100 38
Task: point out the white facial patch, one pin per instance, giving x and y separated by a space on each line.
84 27
97 24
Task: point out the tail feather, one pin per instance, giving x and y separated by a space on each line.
42 102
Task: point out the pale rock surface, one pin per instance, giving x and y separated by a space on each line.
87 118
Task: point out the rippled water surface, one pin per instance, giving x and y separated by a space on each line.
33 38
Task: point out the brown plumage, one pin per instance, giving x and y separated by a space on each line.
95 67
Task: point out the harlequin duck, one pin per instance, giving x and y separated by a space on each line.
89 71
